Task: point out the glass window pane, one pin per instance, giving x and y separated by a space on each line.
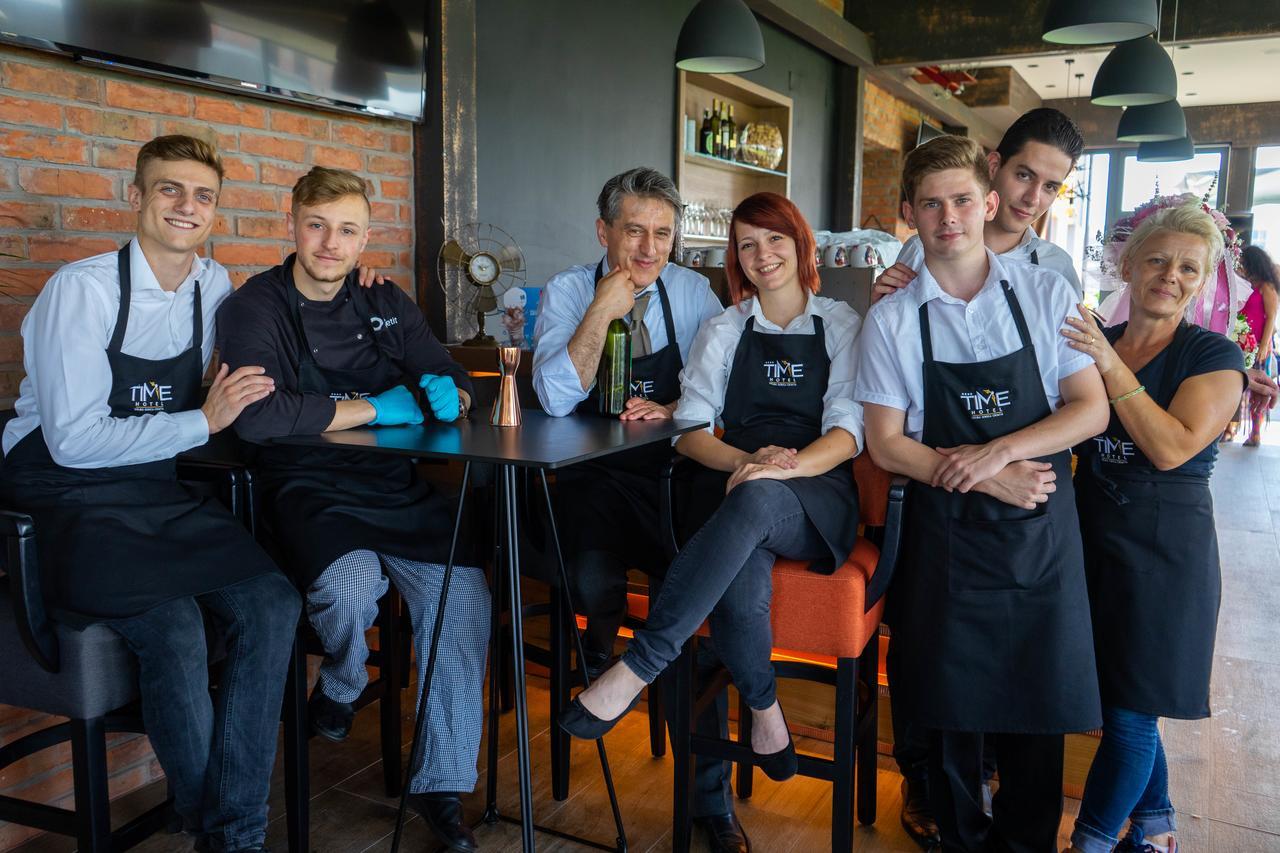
1266 199
1194 176
1077 219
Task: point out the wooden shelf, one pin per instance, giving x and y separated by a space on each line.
728 165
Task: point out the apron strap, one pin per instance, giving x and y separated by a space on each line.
1035 258
926 339
126 287
1016 309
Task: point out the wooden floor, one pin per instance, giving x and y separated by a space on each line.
1225 771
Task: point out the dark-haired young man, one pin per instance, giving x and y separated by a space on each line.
1028 168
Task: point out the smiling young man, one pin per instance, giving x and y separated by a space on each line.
969 389
344 521
115 349
1028 168
610 509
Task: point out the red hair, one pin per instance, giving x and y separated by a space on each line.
776 213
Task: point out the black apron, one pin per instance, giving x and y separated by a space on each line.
991 617
115 542
623 488
774 396
1151 559
326 502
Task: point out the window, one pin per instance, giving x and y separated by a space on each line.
1197 175
1080 215
1266 199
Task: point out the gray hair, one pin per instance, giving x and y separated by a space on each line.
645 183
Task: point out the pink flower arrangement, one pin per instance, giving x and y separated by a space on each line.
1109 256
1244 337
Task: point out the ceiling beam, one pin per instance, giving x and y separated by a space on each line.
819 26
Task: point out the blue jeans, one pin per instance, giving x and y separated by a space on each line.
726 572
217 750
1128 780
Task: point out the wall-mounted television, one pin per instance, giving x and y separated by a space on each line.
359 55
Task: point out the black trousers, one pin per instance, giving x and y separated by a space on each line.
1027 807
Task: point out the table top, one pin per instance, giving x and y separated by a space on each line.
541 441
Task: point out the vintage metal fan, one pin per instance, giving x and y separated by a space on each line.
488 263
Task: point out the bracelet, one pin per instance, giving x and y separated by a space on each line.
1135 392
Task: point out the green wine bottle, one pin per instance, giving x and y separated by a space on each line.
613 378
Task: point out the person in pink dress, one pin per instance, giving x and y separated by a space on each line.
1259 310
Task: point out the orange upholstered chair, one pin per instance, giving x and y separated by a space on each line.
825 629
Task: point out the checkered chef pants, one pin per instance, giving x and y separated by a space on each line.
343 603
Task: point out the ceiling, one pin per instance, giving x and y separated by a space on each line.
1227 72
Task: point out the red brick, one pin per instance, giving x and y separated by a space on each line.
299 125
11 244
273 147
239 277
147 99
381 261
221 226
99 219
360 137
394 189
230 112
21 214
92 121
247 254
66 182
406 259
38 113
67 249
242 198
281 176
235 169
383 235
10 349
384 165
113 156
401 143
50 148
381 211
23 282
336 158
49 81
11 315
224 142
262 226
406 213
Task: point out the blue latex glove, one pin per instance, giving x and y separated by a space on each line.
442 396
395 407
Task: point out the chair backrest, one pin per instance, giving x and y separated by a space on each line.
23 573
873 490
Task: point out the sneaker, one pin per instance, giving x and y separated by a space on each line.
329 719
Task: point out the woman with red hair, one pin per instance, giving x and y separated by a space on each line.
775 370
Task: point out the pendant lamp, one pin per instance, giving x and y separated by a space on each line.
1152 123
1134 74
1099 21
720 37
1167 152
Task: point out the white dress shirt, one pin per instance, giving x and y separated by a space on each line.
565 300
1050 256
65 338
891 358
705 378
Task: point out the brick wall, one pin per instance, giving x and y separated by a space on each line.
889 131
69 136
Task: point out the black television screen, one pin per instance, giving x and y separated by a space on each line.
366 55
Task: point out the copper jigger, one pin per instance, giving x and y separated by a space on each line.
506 407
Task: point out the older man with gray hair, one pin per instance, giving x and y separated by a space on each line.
610 509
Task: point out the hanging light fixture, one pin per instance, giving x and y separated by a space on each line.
1167 152
1135 74
720 37
1099 21
1152 123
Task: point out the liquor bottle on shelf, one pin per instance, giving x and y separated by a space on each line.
717 128
613 377
724 131
705 145
732 137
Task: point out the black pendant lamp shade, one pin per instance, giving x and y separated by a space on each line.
1099 21
720 37
1167 152
1152 123
1135 74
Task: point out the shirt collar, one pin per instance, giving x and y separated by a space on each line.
653 286
810 309
142 277
1026 245
927 286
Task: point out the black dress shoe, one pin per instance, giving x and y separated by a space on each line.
917 815
581 723
443 814
781 765
329 719
724 834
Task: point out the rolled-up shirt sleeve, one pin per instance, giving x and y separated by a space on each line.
879 376
65 337
555 379
705 377
839 408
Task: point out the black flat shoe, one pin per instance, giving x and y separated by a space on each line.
724 834
443 815
329 719
781 765
581 723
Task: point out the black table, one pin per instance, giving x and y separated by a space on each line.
543 443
